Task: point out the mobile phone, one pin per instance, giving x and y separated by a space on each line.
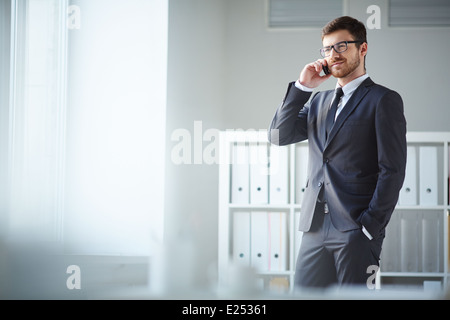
325 69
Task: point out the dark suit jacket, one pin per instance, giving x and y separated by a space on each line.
362 164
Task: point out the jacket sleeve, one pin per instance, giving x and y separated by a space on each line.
289 124
390 126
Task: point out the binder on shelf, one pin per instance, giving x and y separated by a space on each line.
240 174
259 174
259 244
409 242
278 238
431 235
390 254
298 235
408 193
279 175
448 237
241 238
301 172
428 175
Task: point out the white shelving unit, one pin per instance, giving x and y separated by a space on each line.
416 249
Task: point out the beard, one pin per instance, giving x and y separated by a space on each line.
348 66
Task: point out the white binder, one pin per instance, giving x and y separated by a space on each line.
240 174
408 193
259 174
409 242
301 174
259 241
279 175
390 255
428 176
241 238
278 238
431 234
298 236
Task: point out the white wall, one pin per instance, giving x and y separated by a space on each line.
195 93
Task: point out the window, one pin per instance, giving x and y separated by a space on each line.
115 147
303 13
410 13
84 123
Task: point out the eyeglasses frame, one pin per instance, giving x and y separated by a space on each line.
332 47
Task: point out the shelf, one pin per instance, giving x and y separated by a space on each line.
430 246
414 274
275 273
438 207
259 206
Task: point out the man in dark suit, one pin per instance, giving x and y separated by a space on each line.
357 159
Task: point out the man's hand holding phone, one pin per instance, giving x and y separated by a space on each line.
310 76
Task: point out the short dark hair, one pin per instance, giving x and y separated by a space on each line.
356 28
352 25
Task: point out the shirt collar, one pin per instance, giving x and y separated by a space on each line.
353 85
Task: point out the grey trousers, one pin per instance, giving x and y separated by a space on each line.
329 257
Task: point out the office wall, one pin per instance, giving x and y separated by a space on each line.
228 70
260 63
195 104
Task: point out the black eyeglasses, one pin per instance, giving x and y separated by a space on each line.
338 48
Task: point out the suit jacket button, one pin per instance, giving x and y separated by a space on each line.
320 184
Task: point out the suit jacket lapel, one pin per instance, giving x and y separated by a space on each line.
351 104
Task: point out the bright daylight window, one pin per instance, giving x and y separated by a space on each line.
85 123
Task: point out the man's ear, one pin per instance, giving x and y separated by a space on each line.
363 48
